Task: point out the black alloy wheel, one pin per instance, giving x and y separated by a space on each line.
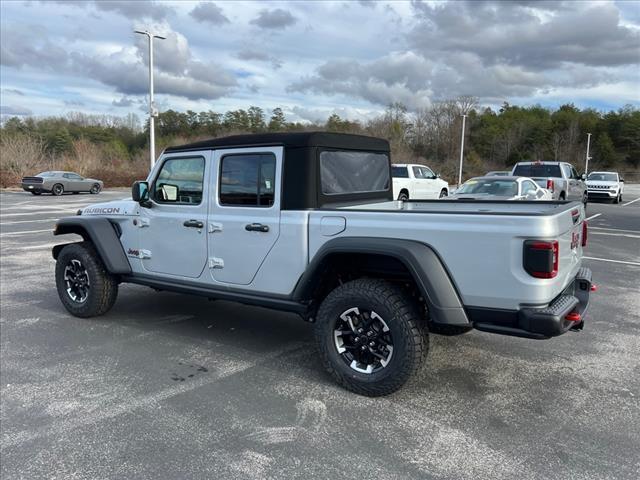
363 340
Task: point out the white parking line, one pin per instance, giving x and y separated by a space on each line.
615 230
31 221
628 235
593 216
636 264
45 246
629 203
2 215
50 230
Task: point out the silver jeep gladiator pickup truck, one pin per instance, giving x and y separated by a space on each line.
307 223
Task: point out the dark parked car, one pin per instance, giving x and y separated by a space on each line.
59 182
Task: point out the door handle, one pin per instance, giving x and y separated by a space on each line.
256 227
193 224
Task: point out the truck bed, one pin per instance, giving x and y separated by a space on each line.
481 242
468 207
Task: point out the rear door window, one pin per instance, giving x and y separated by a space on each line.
248 180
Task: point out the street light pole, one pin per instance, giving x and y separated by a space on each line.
586 163
464 118
153 112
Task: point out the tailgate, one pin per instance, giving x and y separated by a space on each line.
570 241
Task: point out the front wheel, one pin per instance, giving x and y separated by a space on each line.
35 192
84 286
403 196
57 189
370 336
443 193
95 189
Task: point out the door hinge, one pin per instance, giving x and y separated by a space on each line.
215 262
215 227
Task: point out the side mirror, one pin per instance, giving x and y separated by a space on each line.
437 175
622 179
583 176
140 193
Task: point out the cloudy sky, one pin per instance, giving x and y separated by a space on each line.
315 58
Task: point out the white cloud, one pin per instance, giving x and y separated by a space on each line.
314 56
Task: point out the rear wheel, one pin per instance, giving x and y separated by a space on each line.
35 192
57 189
562 196
443 193
370 336
95 189
84 286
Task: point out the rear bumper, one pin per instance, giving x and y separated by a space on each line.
540 323
31 187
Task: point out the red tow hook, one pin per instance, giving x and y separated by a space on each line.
574 317
594 287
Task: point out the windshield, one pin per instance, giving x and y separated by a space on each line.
46 174
488 186
603 177
537 170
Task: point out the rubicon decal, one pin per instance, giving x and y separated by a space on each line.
102 211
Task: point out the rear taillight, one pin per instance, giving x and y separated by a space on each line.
541 258
550 185
584 233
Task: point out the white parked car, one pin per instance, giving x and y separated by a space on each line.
501 188
417 182
607 185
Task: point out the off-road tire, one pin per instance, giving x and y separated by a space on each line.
103 286
448 330
562 197
57 189
618 199
405 322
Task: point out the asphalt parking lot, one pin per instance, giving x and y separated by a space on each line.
172 386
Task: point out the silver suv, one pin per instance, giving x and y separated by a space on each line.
560 178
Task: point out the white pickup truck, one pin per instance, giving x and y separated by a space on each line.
417 182
308 223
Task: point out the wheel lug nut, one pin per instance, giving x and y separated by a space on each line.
371 344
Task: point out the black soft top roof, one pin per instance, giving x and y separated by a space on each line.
292 140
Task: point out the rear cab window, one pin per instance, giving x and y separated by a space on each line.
345 172
537 170
399 172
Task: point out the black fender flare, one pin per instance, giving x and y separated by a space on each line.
102 233
421 260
